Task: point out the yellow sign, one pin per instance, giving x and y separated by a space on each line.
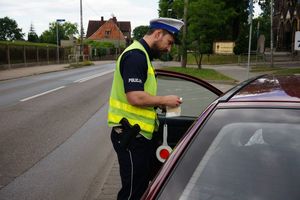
223 47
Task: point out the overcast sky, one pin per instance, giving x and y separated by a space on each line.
41 12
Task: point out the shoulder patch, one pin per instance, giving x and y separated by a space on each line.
134 80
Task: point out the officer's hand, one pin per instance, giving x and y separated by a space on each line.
171 100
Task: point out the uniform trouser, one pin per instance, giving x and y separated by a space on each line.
135 165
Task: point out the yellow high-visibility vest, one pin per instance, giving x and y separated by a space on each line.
119 107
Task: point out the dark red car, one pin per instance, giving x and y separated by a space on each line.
243 144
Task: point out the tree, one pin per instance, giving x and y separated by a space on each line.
171 8
9 30
139 32
242 42
100 48
32 36
205 19
48 37
178 8
175 9
264 20
65 31
163 8
233 28
238 14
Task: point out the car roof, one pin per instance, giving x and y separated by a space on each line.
269 88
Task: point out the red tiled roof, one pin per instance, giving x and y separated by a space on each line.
94 25
111 26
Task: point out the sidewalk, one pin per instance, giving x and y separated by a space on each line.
29 71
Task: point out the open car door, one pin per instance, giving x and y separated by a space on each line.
196 95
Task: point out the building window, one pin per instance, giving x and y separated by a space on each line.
107 33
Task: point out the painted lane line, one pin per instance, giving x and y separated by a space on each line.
38 95
88 78
93 76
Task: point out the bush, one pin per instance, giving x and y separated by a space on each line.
81 64
166 57
241 44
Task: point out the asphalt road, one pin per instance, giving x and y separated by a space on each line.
54 141
53 138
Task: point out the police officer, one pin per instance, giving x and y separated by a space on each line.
133 97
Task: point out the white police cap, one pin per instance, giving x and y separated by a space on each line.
169 24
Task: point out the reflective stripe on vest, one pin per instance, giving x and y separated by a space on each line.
132 109
119 107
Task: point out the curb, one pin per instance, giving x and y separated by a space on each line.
223 82
32 74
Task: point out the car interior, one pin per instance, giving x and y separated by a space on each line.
195 99
250 161
177 127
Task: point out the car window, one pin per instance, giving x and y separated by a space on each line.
195 97
241 154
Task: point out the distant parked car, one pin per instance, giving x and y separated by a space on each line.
243 144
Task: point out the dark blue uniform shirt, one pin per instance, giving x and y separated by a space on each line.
133 68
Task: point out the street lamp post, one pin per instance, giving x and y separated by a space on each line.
119 49
169 15
169 12
271 33
81 32
57 39
184 34
250 35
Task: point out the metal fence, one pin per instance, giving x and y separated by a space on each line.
13 56
266 57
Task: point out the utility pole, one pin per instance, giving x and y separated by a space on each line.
257 37
250 37
271 34
119 27
81 31
57 38
57 43
184 35
169 15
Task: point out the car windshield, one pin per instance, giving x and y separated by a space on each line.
244 154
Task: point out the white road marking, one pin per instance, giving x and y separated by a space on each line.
38 95
77 81
93 76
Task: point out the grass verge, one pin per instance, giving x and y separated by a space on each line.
276 70
288 71
80 64
215 59
205 74
264 69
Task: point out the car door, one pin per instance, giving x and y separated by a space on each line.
196 95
